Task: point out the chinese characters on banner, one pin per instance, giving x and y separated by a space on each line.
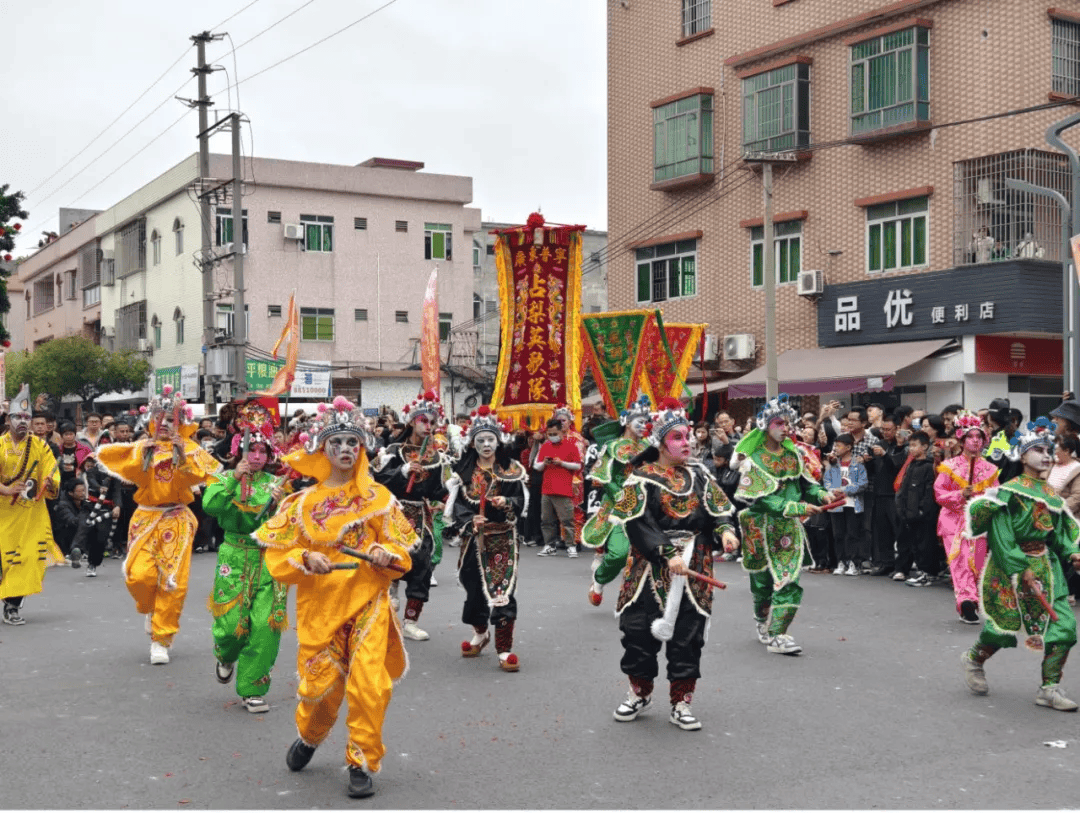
668 351
539 270
429 335
614 351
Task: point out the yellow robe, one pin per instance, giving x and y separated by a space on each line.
350 641
26 540
162 527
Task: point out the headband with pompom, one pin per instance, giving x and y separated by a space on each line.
341 416
669 414
484 419
427 404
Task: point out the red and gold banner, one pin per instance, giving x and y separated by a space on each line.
429 335
668 350
613 349
539 272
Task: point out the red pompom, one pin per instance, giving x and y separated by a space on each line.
670 403
6 343
431 396
512 659
466 646
7 258
648 429
405 409
17 226
535 221
483 410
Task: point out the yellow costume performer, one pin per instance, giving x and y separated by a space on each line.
350 640
27 466
162 528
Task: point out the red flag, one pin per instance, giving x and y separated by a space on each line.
429 335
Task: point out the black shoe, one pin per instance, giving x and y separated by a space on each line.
76 558
299 755
969 612
360 786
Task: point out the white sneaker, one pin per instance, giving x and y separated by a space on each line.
839 570
631 707
762 633
548 550
433 583
413 632
683 718
899 576
784 645
851 570
571 551
1051 697
91 571
158 654
256 705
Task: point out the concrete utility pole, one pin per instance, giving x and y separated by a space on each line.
1070 329
239 313
768 269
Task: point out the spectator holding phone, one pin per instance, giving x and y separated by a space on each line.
558 460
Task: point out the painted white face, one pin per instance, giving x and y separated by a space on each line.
342 450
777 429
1037 458
421 427
637 427
485 444
677 444
20 424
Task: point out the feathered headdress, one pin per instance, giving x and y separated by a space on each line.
257 422
428 404
778 407
641 408
340 416
1039 432
669 414
484 419
168 404
965 421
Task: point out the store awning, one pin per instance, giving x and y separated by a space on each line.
837 369
125 397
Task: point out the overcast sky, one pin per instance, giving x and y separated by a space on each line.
509 92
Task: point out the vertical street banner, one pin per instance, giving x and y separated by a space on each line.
539 271
429 335
669 350
613 350
283 379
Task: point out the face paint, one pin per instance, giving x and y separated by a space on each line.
973 442
485 444
777 429
256 456
20 424
1037 458
637 427
421 427
342 450
677 444
164 427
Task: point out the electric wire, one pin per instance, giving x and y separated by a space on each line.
235 14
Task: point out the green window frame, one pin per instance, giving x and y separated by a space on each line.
667 271
776 109
445 321
223 227
683 138
317 324
318 233
787 252
890 80
438 241
896 235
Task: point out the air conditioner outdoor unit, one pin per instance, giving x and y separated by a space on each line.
294 231
739 347
712 347
810 283
145 346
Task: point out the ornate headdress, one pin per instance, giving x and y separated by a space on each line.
257 422
20 404
563 413
778 407
641 408
484 419
1039 432
341 416
669 414
426 403
965 421
168 403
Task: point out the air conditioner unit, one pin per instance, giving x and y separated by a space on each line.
109 332
984 192
294 231
739 347
810 283
145 346
712 347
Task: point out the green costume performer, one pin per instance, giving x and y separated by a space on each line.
247 604
1031 537
779 489
608 474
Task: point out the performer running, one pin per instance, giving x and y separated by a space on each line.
415 470
164 466
959 479
349 638
248 606
27 466
1032 536
670 509
487 495
608 475
778 488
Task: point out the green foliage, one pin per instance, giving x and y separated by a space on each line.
75 365
10 209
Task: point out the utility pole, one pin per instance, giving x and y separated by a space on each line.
239 313
1070 329
768 269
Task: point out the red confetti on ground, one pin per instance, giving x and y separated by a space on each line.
237 754
168 774
184 802
841 638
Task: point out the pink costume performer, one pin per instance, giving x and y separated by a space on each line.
959 479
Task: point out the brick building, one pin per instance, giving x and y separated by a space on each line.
947 283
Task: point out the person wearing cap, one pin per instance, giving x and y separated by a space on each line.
487 495
1032 538
27 468
165 467
350 643
1067 416
609 474
672 511
1003 422
415 469
779 489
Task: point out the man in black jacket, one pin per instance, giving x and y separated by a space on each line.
888 458
917 514
69 520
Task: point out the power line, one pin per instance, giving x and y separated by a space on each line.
236 14
271 26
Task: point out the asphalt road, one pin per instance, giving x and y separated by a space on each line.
873 714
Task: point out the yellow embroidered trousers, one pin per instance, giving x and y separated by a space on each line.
352 667
157 566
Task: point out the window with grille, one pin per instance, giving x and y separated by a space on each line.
667 271
360 315
438 241
155 325
683 138
273 217
273 311
401 225
787 252
223 226
401 316
155 244
131 249
445 320
44 292
1066 58
318 233
91 296
360 223
696 16
317 324
476 257
179 321
992 222
776 109
130 322
890 80
88 265
72 284
896 235
178 232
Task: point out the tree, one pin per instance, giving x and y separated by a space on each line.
75 365
10 209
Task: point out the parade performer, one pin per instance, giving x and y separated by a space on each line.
779 490
608 475
350 643
415 470
248 606
1032 537
487 495
164 466
670 509
28 472
959 479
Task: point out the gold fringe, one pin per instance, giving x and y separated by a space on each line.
218 610
278 626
